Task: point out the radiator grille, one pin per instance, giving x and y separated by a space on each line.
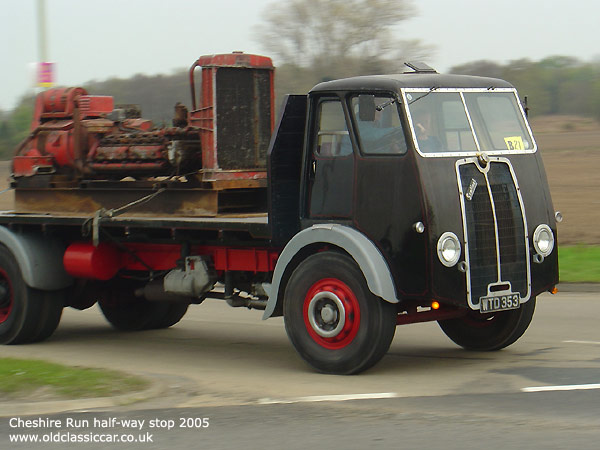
511 230
486 242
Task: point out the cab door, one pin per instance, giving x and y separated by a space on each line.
331 163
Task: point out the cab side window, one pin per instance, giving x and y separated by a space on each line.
333 139
381 132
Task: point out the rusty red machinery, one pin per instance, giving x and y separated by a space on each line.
83 152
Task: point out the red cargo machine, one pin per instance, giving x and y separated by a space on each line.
85 154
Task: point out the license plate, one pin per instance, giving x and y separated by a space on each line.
499 303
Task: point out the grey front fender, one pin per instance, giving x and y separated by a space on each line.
39 258
359 247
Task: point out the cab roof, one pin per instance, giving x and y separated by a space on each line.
409 80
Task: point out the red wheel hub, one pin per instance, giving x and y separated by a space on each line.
6 297
331 313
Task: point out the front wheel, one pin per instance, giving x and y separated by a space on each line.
334 322
488 332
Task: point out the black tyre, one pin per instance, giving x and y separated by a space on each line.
488 332
174 312
334 322
52 308
26 314
126 312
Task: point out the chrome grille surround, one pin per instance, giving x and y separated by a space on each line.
496 240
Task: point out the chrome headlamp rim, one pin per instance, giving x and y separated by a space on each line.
445 238
538 234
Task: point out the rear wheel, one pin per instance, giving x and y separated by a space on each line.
174 312
126 312
26 314
52 308
334 322
487 332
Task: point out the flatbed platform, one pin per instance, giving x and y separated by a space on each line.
256 225
160 198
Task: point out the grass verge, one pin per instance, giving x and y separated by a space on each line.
579 264
31 378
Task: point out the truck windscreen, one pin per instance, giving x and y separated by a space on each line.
449 121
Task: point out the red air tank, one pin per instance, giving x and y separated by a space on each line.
84 260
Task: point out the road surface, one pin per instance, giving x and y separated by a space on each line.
239 375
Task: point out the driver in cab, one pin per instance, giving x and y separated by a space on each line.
379 125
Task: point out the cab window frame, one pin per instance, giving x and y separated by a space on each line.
407 92
318 132
400 127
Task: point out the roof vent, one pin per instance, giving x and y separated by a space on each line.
419 67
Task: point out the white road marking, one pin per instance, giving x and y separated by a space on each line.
327 398
582 342
568 387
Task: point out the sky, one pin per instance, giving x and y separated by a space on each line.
96 40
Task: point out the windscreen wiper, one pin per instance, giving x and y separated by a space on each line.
385 104
424 95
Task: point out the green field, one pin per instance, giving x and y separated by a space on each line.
579 264
20 378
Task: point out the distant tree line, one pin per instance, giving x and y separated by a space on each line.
555 85
317 40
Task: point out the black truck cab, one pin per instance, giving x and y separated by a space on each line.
442 176
442 172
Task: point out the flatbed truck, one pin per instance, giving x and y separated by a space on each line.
370 202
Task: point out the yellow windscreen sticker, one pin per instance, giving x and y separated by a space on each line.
514 143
